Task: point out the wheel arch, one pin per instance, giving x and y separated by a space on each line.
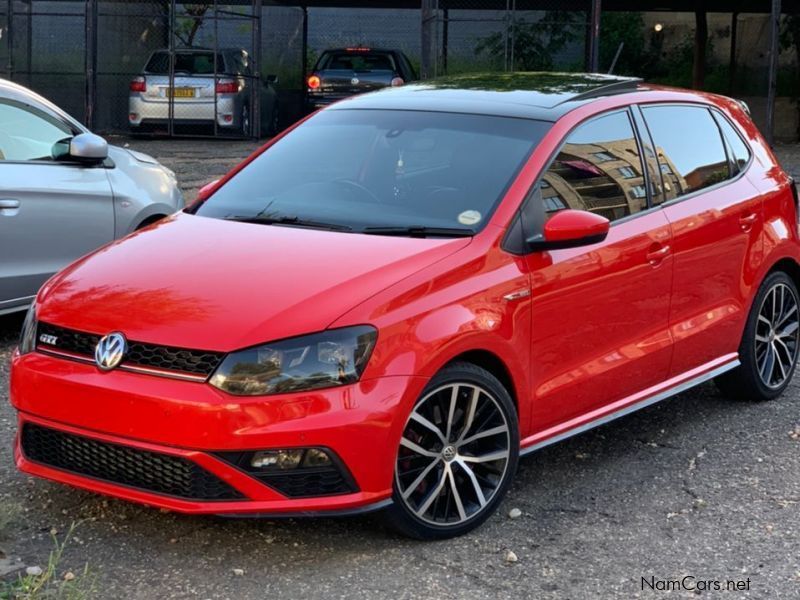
789 266
492 363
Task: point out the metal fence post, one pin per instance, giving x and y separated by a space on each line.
428 41
593 55
91 19
774 30
10 39
256 70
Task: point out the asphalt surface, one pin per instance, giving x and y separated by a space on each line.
696 486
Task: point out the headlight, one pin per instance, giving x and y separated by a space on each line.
27 339
326 359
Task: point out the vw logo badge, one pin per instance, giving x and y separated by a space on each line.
110 351
354 81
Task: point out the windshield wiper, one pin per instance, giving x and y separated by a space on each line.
290 220
421 231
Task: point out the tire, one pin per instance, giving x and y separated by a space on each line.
772 330
430 459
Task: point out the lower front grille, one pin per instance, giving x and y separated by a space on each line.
123 465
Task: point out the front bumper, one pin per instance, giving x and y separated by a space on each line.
187 421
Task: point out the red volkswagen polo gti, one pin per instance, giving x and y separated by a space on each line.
384 307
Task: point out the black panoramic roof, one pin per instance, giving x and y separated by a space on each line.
543 96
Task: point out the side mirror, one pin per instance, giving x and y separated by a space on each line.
570 229
88 148
206 191
271 79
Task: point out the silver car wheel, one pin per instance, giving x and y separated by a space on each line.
777 335
453 454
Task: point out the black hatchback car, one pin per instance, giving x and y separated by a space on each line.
344 72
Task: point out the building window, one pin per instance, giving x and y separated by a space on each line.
627 172
603 156
665 169
638 191
553 204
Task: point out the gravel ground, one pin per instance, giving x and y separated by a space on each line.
697 486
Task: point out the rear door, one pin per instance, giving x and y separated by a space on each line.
600 312
50 212
716 219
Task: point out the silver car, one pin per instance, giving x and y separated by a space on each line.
203 90
64 192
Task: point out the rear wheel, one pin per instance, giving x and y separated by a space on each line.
769 347
457 456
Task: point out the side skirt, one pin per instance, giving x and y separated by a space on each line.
557 433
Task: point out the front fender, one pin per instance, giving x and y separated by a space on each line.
452 307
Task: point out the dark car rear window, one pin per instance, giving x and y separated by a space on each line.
358 61
194 63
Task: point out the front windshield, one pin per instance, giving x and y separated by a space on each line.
364 170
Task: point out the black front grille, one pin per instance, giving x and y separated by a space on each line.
123 465
305 484
167 358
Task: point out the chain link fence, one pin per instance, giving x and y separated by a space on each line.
87 55
500 36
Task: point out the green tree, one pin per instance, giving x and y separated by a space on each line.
536 43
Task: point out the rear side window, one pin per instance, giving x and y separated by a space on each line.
357 61
186 63
598 169
740 153
689 147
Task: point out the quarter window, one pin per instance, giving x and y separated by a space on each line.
689 148
740 153
598 169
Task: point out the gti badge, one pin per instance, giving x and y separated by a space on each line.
110 351
50 340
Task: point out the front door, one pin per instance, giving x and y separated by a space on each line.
50 212
600 313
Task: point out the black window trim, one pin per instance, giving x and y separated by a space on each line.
510 245
710 188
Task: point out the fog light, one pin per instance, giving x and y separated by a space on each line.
316 458
277 459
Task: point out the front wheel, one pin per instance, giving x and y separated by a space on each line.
457 455
769 347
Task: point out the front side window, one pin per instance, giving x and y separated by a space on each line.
598 169
363 170
689 148
27 133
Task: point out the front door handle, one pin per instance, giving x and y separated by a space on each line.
746 222
8 203
654 257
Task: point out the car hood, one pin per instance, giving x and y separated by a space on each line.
203 283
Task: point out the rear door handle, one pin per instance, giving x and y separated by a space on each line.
8 203
654 257
746 222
